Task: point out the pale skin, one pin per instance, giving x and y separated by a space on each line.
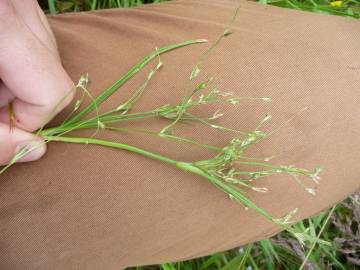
32 78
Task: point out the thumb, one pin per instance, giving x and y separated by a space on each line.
15 140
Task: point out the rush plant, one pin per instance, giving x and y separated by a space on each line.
225 169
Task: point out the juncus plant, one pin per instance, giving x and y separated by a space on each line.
225 169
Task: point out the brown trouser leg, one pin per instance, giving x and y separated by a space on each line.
88 207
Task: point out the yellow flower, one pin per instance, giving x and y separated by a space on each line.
336 4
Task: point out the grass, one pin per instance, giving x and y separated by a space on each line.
58 6
349 8
331 239
339 226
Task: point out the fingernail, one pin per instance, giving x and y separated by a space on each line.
30 150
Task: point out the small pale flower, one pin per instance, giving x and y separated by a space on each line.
195 72
216 115
77 104
84 80
233 101
311 191
101 124
260 189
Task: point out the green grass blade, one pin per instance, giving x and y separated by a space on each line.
239 262
211 261
318 238
52 6
168 266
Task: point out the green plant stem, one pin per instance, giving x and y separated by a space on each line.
186 166
317 238
111 144
52 7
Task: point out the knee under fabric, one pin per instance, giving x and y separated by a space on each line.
89 207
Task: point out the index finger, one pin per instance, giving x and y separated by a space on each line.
32 72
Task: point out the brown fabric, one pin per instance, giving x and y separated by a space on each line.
87 207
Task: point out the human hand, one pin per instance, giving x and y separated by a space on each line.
31 76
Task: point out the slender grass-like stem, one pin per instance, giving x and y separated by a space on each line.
317 238
111 144
186 166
